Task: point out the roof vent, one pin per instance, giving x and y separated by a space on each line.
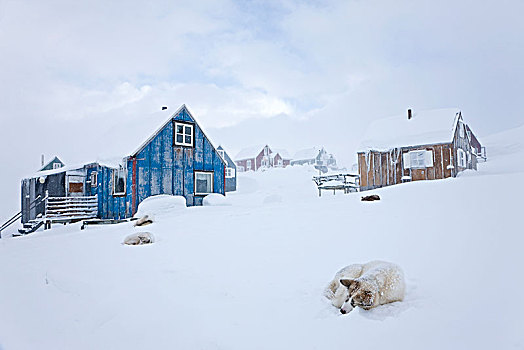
164 108
409 114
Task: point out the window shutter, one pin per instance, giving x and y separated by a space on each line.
429 159
407 161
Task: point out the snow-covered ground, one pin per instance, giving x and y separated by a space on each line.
249 272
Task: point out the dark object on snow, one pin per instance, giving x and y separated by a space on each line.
139 239
164 108
371 198
143 221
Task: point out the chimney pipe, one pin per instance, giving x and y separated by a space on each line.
409 114
42 160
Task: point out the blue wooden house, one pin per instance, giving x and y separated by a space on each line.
177 159
231 170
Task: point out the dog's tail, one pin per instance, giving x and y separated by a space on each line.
331 289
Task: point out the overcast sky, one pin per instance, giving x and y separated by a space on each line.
289 73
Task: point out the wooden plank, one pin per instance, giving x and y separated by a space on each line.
199 149
143 175
155 166
383 169
167 159
218 174
208 155
178 175
188 176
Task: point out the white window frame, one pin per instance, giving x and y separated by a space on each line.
230 173
461 158
222 153
248 164
121 171
240 168
195 186
184 134
94 179
57 165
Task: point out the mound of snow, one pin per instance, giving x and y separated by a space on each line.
215 199
160 205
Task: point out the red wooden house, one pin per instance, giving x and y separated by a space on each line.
261 157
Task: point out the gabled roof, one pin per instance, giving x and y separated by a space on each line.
54 160
158 130
424 128
283 153
250 152
152 136
308 153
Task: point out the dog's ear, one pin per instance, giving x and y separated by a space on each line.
346 282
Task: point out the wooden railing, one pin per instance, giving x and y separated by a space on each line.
18 215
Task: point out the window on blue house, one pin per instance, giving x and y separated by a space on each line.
183 134
203 182
230 172
94 179
119 181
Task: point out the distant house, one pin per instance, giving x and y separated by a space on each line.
54 163
261 157
176 159
231 170
316 156
425 145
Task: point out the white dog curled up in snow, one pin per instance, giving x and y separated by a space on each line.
366 285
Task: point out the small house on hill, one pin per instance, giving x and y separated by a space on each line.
176 159
425 145
316 156
261 157
231 170
54 163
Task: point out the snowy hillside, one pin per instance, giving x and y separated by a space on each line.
249 272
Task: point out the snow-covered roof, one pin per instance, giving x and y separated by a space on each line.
249 152
70 169
308 153
283 153
424 127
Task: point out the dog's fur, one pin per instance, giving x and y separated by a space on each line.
366 285
139 239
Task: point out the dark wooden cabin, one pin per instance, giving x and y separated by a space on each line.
426 145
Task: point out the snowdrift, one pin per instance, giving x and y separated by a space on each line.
252 275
